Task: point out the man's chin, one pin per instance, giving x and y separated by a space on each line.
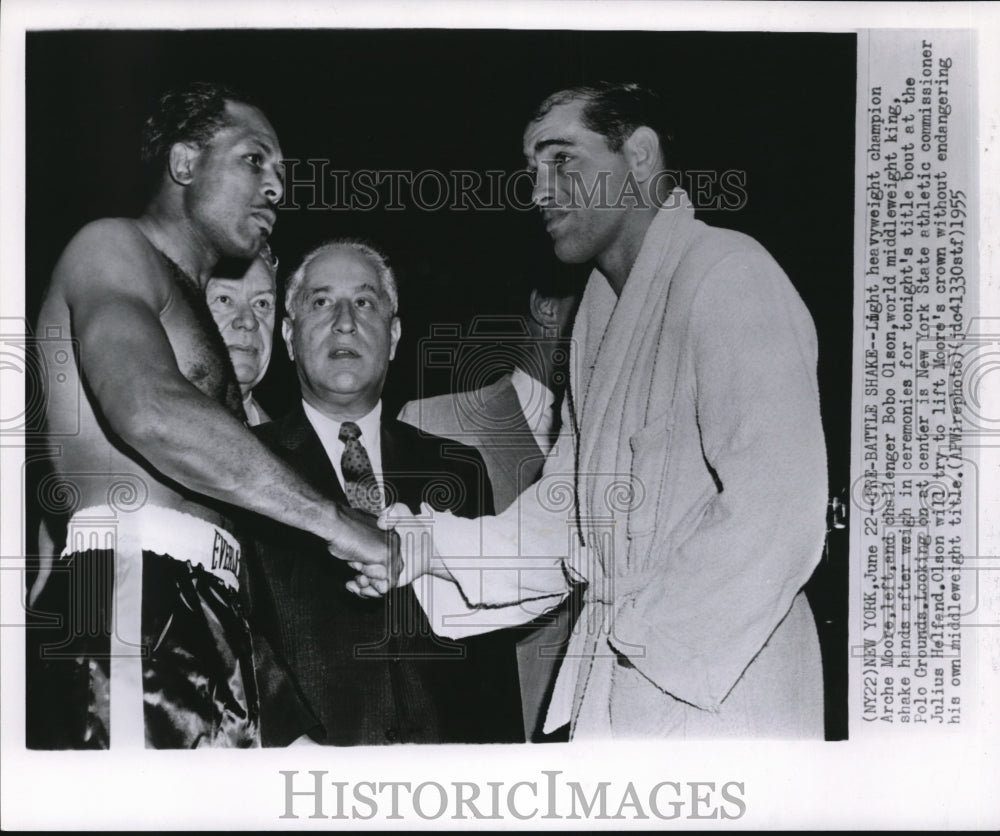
248 384
244 364
344 384
344 395
246 247
567 253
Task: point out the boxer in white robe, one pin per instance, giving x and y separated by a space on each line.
688 489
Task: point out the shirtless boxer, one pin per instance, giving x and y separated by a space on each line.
152 645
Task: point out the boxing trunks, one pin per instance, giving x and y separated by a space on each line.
138 637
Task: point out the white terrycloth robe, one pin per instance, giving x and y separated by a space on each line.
701 483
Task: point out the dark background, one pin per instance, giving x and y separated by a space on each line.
779 107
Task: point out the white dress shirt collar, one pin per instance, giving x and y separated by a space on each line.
255 415
328 430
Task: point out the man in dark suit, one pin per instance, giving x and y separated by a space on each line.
371 669
513 422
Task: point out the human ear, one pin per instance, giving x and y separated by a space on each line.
642 151
544 310
287 332
395 331
180 162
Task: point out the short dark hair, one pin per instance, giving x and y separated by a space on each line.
614 110
193 113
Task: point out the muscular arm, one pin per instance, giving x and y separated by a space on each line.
495 562
115 290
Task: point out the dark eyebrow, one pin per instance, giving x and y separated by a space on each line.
263 143
265 146
542 144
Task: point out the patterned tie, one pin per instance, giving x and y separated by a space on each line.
360 485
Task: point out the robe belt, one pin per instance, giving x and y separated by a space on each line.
612 590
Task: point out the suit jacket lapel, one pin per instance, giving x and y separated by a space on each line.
307 454
391 453
397 461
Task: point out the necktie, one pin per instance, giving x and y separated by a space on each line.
360 485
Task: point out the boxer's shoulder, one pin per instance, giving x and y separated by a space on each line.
111 252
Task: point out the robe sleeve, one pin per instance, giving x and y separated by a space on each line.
507 569
718 594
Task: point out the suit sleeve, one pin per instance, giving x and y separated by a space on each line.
727 586
285 714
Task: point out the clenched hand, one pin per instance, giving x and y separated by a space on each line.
372 552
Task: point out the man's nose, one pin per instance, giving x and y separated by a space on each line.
541 189
343 318
245 320
274 186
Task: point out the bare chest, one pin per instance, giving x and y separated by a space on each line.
200 353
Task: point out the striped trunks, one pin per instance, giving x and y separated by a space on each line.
138 638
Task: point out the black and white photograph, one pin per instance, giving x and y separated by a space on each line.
496 421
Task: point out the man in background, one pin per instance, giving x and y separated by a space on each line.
371 670
243 307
